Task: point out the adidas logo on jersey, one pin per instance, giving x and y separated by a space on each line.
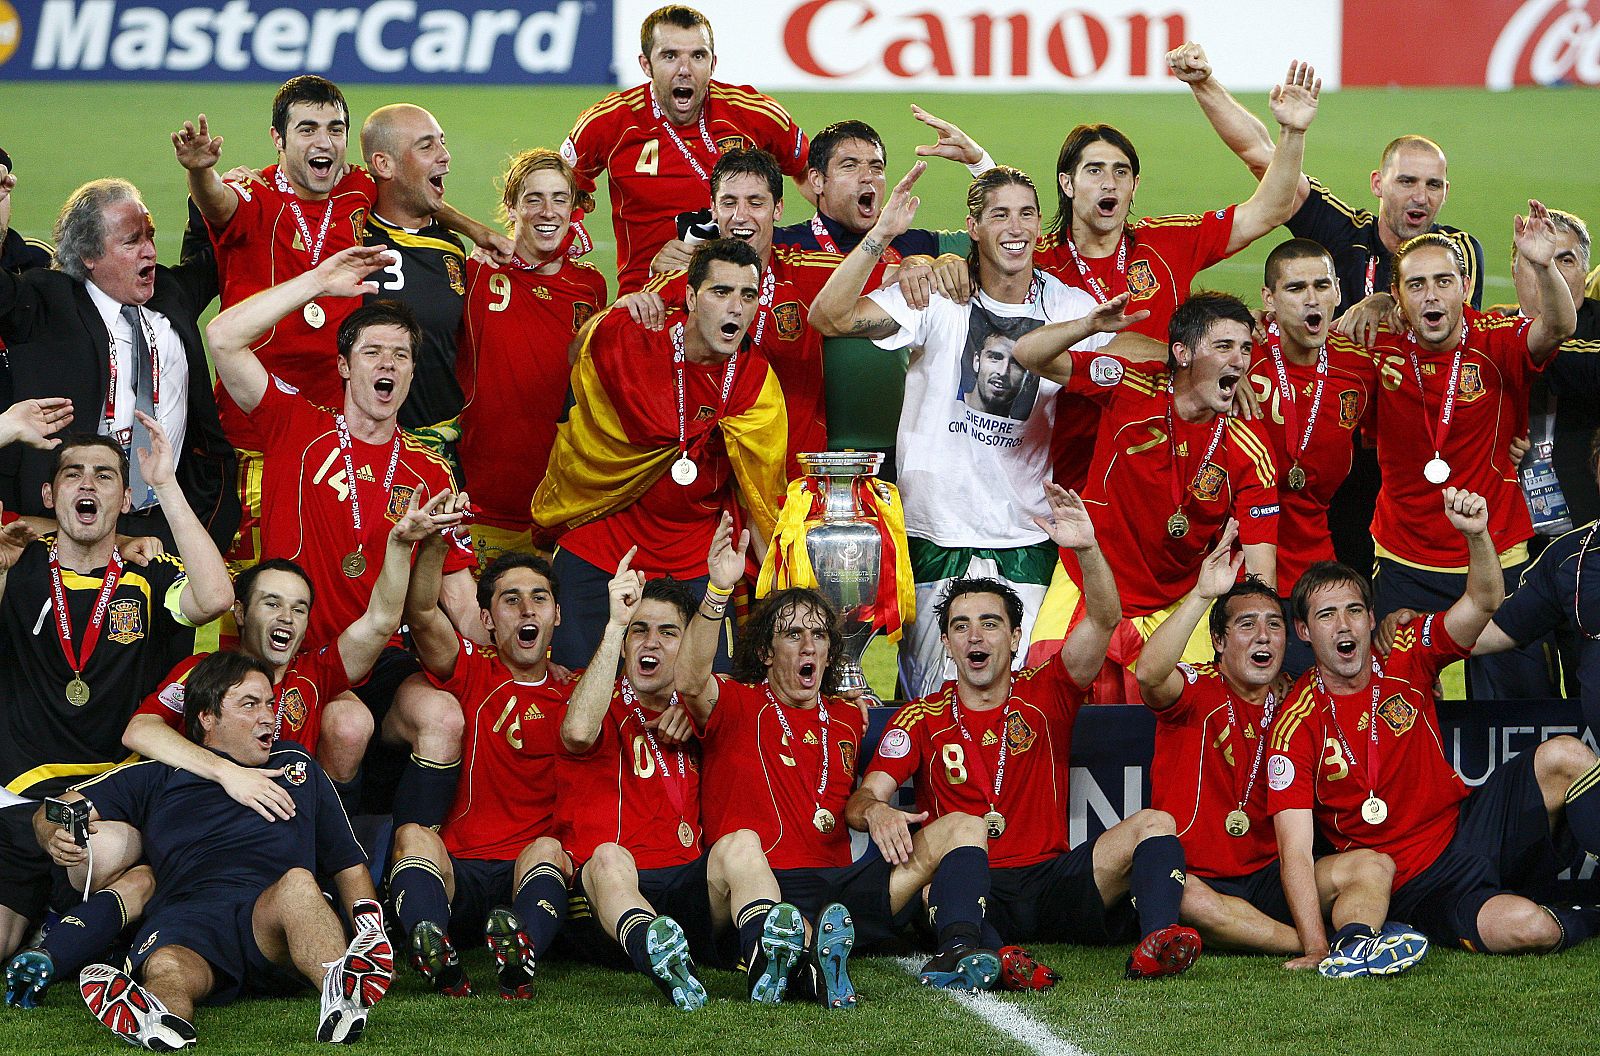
990 738
810 737
365 473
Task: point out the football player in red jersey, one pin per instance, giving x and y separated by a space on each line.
512 360
1454 394
629 785
334 480
775 725
658 141
495 868
1358 758
1212 726
998 744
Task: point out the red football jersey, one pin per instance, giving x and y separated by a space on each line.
506 795
305 509
1206 762
309 682
617 793
263 245
1131 481
955 774
1163 255
1309 766
1347 394
651 177
757 777
511 361
1491 407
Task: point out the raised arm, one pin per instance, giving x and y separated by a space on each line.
208 590
1468 514
33 422
1294 106
697 686
1160 682
1558 316
586 710
232 333
839 308
1046 351
952 144
1070 527
433 638
198 152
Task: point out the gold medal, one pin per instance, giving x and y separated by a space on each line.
77 692
684 471
1178 525
314 315
1297 478
1374 811
823 819
685 834
1237 823
354 564
996 823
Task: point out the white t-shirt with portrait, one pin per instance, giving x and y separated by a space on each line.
972 453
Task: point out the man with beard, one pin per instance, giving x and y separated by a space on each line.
998 380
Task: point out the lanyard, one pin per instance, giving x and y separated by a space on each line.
1290 403
1101 292
300 218
678 359
1372 766
822 720
1577 583
683 148
1447 408
977 762
675 789
350 472
1372 272
1261 741
1172 448
97 616
110 413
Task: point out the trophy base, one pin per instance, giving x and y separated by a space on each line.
851 680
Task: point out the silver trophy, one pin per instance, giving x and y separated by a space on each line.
846 552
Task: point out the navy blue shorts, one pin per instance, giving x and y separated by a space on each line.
393 666
678 891
862 887
221 932
481 885
1057 900
29 881
1263 889
1502 845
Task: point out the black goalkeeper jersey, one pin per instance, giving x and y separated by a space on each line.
430 279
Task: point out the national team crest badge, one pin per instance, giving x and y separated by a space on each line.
1470 388
727 143
292 709
847 755
787 317
705 413
126 621
1208 482
452 271
296 772
1141 280
1019 735
1399 713
358 226
582 312
399 499
1349 408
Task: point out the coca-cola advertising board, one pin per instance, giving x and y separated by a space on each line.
1495 44
978 46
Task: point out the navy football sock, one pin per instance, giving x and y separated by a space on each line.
991 938
541 904
632 929
1353 930
1583 810
1576 922
425 792
1157 882
84 932
960 887
416 890
750 920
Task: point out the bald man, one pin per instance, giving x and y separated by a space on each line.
405 152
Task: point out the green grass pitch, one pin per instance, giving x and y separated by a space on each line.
1503 149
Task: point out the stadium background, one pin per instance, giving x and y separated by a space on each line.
95 87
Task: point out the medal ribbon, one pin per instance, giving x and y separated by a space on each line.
822 720
1261 742
1176 487
97 616
1446 409
977 763
675 789
1372 272
678 359
110 413
300 217
1100 292
350 473
1371 768
1290 401
683 148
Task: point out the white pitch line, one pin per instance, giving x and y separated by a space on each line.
1006 1018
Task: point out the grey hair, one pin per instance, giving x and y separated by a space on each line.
1569 222
81 226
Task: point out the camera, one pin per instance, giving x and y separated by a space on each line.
73 816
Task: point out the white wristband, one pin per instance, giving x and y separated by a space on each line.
982 165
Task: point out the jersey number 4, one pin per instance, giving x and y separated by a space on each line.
649 157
